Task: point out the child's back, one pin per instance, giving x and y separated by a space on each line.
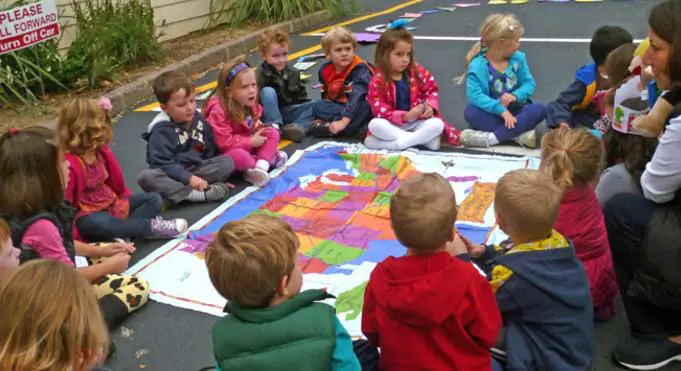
271 324
569 157
429 310
541 288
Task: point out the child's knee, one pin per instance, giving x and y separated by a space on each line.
377 123
267 93
436 125
271 133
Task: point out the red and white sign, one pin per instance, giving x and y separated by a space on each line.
28 25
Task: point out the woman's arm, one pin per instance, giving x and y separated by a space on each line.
662 177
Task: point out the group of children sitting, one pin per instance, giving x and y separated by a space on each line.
63 193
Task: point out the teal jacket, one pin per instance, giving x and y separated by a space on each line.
477 82
299 334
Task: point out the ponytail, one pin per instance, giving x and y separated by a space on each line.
572 157
472 53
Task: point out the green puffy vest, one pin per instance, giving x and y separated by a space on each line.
298 334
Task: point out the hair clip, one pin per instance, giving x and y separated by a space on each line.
105 104
235 71
12 131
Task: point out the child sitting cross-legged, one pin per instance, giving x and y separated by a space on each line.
272 325
430 309
541 288
499 87
234 115
181 151
343 109
282 92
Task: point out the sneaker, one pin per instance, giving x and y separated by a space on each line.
280 159
372 142
474 138
320 129
434 144
293 132
216 192
256 176
527 139
638 354
171 228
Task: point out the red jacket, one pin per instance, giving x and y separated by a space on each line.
430 312
425 89
581 221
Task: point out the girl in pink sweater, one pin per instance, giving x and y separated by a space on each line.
233 113
96 188
575 158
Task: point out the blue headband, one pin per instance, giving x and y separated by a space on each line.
235 71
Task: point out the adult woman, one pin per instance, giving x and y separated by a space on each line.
645 230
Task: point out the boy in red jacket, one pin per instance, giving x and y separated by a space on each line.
430 309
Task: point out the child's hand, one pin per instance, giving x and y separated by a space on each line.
509 119
198 183
415 113
117 263
564 125
507 99
257 140
112 249
456 247
339 125
476 250
428 113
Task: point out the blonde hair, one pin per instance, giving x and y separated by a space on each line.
270 37
249 257
528 201
84 126
572 157
495 27
229 105
423 212
338 35
50 319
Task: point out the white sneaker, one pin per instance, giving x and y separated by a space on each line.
257 176
280 159
434 144
527 139
475 138
372 142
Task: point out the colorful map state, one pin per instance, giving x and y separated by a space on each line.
340 217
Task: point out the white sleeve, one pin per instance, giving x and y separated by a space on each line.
662 177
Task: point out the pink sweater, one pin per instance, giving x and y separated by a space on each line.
581 220
76 184
229 133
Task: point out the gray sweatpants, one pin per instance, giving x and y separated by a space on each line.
213 170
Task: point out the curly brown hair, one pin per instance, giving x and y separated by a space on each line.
84 126
634 151
272 36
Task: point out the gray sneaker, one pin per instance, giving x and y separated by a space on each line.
527 139
475 138
171 228
216 192
293 132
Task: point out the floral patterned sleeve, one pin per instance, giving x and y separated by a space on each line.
378 101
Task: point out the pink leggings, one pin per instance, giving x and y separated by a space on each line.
245 158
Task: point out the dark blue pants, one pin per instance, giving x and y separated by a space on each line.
102 226
528 116
330 111
577 118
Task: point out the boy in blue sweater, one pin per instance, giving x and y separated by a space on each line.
183 159
576 105
541 287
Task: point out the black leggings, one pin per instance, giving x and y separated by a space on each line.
627 216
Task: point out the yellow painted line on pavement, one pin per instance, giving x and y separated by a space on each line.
283 143
365 17
304 52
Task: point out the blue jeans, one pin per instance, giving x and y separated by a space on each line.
300 114
102 226
528 116
496 365
329 111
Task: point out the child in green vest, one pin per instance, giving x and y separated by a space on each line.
271 325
